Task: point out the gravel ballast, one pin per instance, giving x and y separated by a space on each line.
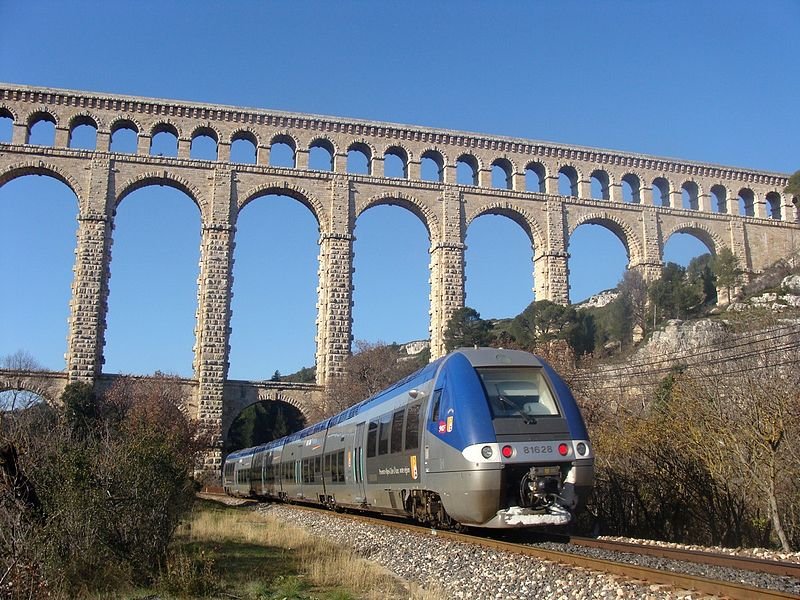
467 571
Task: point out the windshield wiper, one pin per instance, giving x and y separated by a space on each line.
529 419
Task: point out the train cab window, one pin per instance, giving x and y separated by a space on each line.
397 431
437 399
518 392
383 437
372 439
412 427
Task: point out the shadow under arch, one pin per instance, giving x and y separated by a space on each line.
261 422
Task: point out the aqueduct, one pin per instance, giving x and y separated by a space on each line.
446 178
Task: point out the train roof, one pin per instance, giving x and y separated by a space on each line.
499 357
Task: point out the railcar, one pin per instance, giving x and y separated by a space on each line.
482 437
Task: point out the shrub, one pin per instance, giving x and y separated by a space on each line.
112 476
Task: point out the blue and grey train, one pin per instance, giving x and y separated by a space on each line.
482 437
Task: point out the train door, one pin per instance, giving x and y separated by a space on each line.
358 463
440 424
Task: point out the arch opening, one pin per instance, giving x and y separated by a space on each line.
153 287
204 144
535 175
22 399
719 199
273 323
283 152
124 137
660 192
432 166
747 202
42 129
395 163
774 205
467 170
631 189
690 195
38 217
83 133
599 182
598 258
359 159
502 174
568 181
164 141
693 249
320 155
262 422
6 126
391 278
498 241
244 150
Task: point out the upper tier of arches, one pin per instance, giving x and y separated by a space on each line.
725 191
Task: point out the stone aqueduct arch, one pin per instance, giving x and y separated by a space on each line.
101 178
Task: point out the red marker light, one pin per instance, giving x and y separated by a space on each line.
563 449
507 451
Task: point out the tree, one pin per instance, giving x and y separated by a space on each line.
700 274
372 368
80 407
633 293
543 321
673 296
726 270
793 186
740 419
263 422
112 475
466 329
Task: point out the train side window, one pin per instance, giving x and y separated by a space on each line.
397 431
412 427
340 464
437 398
383 437
372 439
327 470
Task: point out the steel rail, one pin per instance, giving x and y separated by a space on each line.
680 581
745 563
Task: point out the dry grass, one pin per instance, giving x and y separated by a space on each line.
322 563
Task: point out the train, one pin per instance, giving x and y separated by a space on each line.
481 437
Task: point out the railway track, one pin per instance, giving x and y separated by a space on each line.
654 576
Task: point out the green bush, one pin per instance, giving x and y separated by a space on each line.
112 476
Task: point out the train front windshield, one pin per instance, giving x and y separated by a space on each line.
518 392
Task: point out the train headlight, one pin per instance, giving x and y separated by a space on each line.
563 449
507 451
581 448
486 451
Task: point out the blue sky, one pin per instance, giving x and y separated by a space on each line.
702 80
